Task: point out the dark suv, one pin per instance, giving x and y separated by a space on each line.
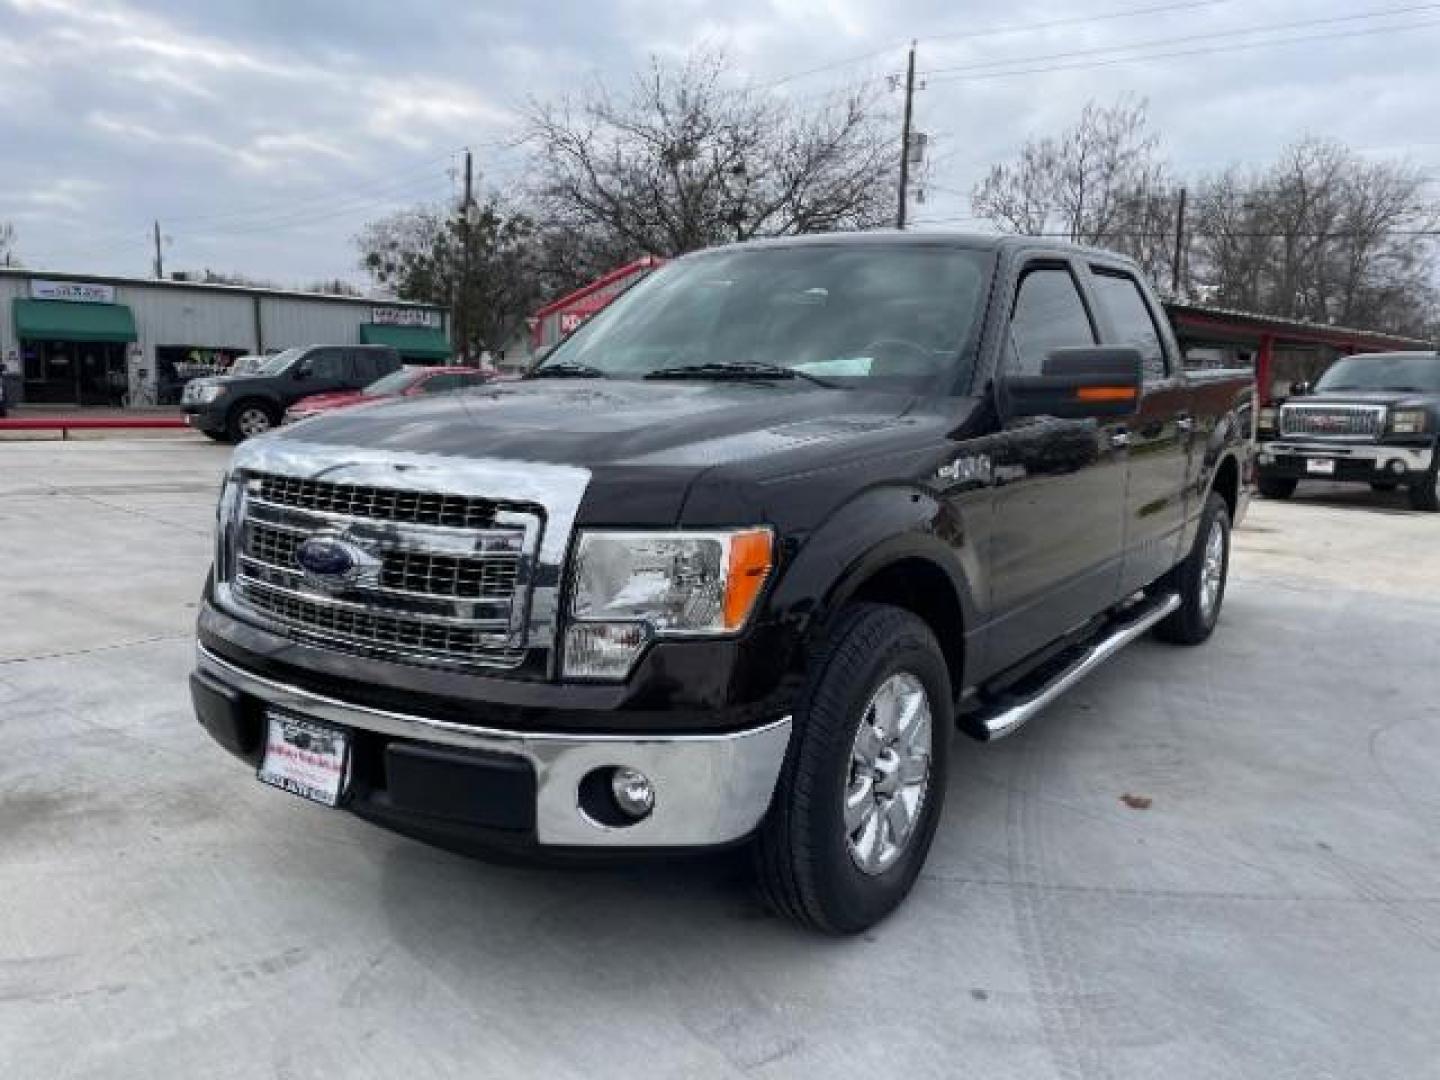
231 408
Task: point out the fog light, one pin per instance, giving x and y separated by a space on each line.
1397 466
1265 459
603 650
633 792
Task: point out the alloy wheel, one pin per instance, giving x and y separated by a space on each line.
889 773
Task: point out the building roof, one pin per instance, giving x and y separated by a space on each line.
1286 329
201 286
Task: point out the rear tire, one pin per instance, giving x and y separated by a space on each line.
248 419
1200 579
835 853
1425 495
1275 487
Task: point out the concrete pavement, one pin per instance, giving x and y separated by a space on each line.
1274 912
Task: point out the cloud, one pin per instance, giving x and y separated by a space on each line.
264 133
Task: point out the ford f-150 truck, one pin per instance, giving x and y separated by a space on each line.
733 563
1370 419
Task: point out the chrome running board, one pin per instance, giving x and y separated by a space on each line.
1009 713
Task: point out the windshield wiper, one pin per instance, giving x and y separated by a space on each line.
565 370
738 371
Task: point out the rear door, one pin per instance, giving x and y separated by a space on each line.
1159 434
1057 540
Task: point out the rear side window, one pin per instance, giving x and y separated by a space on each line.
1123 303
440 383
367 369
1049 314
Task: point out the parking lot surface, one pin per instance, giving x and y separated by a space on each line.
1272 911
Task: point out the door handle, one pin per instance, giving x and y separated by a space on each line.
1119 439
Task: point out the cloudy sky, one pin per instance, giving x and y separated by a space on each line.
264 134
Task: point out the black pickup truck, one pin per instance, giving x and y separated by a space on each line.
733 563
1371 419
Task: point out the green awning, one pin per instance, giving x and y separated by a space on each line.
411 342
65 320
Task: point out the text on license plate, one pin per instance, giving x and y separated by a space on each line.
303 757
1321 466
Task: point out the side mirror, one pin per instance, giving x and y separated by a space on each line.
1077 383
1299 389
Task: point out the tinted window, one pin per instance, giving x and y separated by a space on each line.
326 364
1049 314
367 366
1398 371
440 383
1124 305
473 379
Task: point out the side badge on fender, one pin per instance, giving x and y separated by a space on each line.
974 469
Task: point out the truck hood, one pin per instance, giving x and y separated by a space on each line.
595 423
1417 399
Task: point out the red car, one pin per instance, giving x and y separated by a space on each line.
407 382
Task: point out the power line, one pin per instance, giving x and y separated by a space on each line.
991 31
1237 47
1154 42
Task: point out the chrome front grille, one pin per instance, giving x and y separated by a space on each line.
1333 421
443 578
378 504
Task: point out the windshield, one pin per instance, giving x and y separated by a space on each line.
278 363
1395 371
887 317
397 382
246 365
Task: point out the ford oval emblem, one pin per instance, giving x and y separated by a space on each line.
325 557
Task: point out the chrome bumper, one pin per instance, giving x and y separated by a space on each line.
1417 459
709 789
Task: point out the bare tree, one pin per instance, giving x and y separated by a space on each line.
681 160
7 244
1099 182
420 254
1321 235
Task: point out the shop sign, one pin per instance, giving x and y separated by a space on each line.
396 316
74 291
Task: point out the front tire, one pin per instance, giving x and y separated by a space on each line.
249 419
864 779
1276 487
1425 495
1200 579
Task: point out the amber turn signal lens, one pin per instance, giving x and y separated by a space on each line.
1105 393
750 561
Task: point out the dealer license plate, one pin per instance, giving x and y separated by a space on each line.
1320 466
303 757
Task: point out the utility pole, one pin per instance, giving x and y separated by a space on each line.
462 310
905 138
1179 246
159 261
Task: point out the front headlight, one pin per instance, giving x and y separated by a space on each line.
1408 421
207 394
1267 418
630 587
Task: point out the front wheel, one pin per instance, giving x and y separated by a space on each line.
864 779
248 419
1200 579
1276 487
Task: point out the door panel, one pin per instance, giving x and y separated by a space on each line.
1159 433
1059 490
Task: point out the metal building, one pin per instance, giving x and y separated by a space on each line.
69 339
